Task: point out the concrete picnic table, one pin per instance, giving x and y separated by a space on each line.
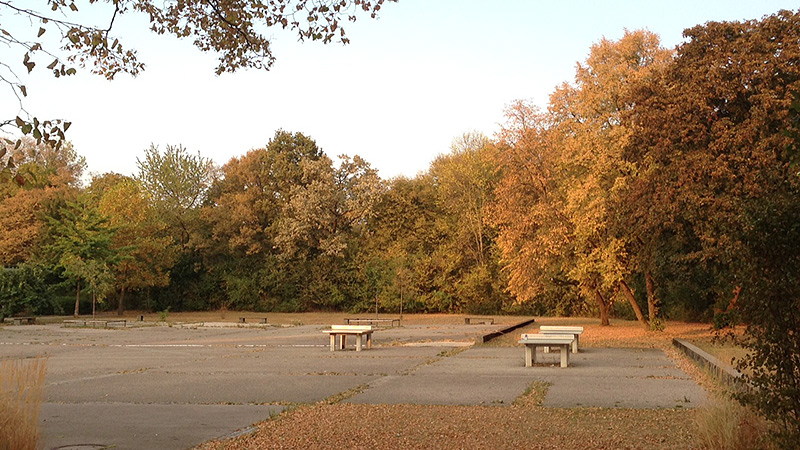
531 341
359 331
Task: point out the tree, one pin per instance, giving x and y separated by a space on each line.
236 30
44 174
78 242
723 177
245 205
145 252
534 232
465 181
590 121
177 183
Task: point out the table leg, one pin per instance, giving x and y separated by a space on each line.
565 355
333 342
575 345
529 355
359 338
369 340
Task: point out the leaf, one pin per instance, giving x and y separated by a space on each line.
24 90
20 123
67 125
41 32
52 64
73 7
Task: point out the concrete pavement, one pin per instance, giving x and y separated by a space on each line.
172 388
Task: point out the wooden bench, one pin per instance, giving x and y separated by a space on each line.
359 331
554 329
24 320
483 320
360 321
531 341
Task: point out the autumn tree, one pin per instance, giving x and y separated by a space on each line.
44 174
144 250
56 35
589 119
713 140
245 205
535 234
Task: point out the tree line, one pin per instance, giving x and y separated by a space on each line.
639 191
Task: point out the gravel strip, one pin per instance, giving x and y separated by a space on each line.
466 427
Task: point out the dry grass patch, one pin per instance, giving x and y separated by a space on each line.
21 384
724 424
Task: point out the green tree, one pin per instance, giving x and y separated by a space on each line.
177 183
465 181
78 243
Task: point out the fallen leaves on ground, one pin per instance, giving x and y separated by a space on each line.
467 427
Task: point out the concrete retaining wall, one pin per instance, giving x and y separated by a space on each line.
722 371
488 337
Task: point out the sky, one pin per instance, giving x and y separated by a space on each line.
408 84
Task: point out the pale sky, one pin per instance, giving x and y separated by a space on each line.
410 82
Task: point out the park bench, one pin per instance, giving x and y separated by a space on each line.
24 320
244 320
94 323
483 320
342 331
363 321
531 341
567 330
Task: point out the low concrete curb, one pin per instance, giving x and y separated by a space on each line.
488 337
727 375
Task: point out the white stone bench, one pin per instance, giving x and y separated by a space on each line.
361 332
358 321
531 341
554 329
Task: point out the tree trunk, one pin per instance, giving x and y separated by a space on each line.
605 307
652 302
78 300
632 300
121 302
732 305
